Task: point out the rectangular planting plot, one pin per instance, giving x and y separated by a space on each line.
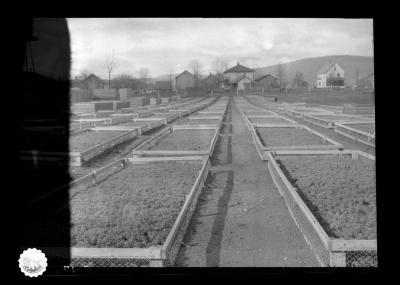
291 138
331 196
271 120
89 144
206 122
263 113
328 121
145 125
133 212
202 114
167 116
185 140
301 112
360 132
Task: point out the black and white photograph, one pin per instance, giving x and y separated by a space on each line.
197 142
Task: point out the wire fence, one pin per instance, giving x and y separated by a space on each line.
351 258
361 258
108 262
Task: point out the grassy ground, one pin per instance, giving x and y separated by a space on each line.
327 98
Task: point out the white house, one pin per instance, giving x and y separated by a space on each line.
329 75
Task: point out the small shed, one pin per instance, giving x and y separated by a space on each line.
210 82
184 80
267 81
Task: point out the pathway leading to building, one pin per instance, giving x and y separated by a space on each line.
241 219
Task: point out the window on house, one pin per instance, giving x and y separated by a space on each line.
338 75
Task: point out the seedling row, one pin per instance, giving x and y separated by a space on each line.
329 192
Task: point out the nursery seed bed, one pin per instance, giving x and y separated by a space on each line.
195 140
134 208
200 122
340 191
334 118
207 114
86 140
368 128
266 113
287 137
271 120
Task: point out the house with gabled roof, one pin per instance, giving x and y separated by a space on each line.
267 81
330 74
184 80
236 74
91 82
210 82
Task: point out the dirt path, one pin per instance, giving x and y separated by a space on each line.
240 219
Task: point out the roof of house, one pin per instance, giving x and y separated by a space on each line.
239 69
211 76
185 72
266 75
93 75
324 69
241 78
164 85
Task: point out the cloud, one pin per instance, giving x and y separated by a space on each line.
164 44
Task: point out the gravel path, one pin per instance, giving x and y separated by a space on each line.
241 219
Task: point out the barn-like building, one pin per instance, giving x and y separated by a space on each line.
91 82
184 80
267 81
210 82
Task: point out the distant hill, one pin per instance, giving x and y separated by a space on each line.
164 77
310 67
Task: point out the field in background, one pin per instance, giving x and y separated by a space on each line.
327 98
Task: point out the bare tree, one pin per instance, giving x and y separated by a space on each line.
195 67
143 77
125 81
281 74
356 76
298 80
219 66
171 78
111 64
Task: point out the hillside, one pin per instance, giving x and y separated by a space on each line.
310 67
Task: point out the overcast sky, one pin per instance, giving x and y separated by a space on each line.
168 45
